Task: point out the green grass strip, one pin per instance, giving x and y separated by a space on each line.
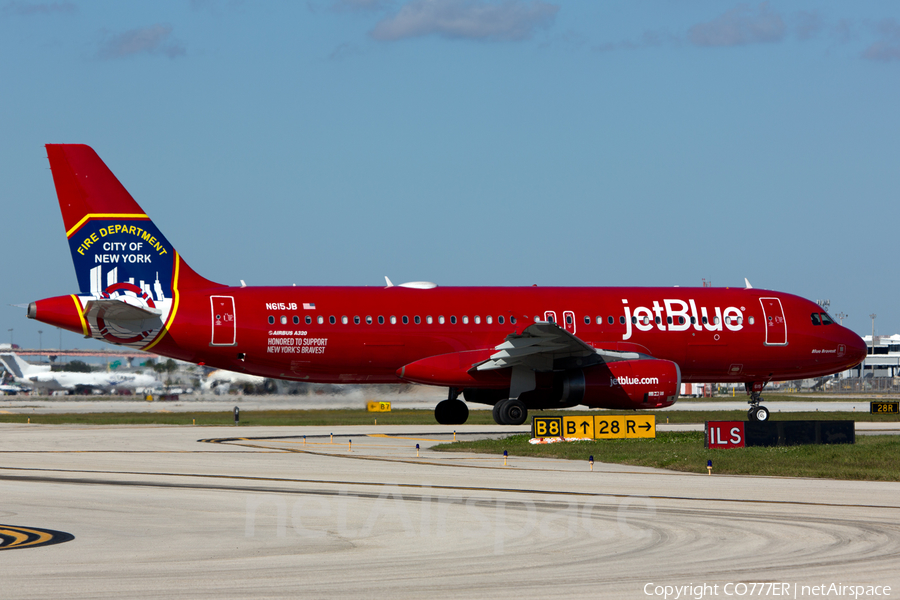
871 458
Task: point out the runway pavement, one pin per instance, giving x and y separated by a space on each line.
225 512
423 399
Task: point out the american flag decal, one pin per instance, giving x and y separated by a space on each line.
309 306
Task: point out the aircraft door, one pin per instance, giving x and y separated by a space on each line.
224 328
569 321
776 326
550 315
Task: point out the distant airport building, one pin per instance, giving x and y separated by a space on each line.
883 359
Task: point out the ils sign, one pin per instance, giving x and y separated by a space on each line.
595 427
725 434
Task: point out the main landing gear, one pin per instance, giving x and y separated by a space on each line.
451 411
510 412
757 413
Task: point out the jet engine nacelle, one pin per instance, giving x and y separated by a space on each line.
629 384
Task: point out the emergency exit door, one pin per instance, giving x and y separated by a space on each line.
776 326
224 329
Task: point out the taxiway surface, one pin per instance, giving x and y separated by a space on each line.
258 512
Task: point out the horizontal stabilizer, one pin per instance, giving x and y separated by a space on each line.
117 310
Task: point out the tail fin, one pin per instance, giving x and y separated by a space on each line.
115 246
19 368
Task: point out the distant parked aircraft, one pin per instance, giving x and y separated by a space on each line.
221 380
41 378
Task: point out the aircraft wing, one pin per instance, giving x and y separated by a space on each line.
544 346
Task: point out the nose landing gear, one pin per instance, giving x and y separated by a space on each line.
757 412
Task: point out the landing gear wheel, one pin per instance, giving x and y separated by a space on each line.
513 412
498 419
451 412
757 413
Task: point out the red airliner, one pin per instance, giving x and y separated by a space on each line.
515 348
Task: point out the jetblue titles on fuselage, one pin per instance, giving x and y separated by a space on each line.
678 315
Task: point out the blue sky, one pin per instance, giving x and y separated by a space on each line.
468 142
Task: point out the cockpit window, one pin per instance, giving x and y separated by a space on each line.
826 320
815 319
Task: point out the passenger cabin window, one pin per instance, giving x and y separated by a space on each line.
815 319
296 320
331 319
587 320
749 320
380 320
345 320
441 319
271 320
405 320
417 319
826 320
453 320
634 319
488 319
621 320
393 320
465 320
500 319
705 320
284 319
477 319
320 319
368 319
669 320
356 320
610 320
511 320
308 320
429 320
694 320
569 319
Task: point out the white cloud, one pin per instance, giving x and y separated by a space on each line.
24 9
887 48
739 26
511 20
808 24
155 39
359 5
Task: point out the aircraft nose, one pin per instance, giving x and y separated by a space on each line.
856 347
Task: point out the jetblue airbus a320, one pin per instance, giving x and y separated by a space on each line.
516 348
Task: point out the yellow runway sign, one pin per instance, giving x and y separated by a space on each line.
378 406
598 427
578 427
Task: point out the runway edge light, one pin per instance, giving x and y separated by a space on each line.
709 467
